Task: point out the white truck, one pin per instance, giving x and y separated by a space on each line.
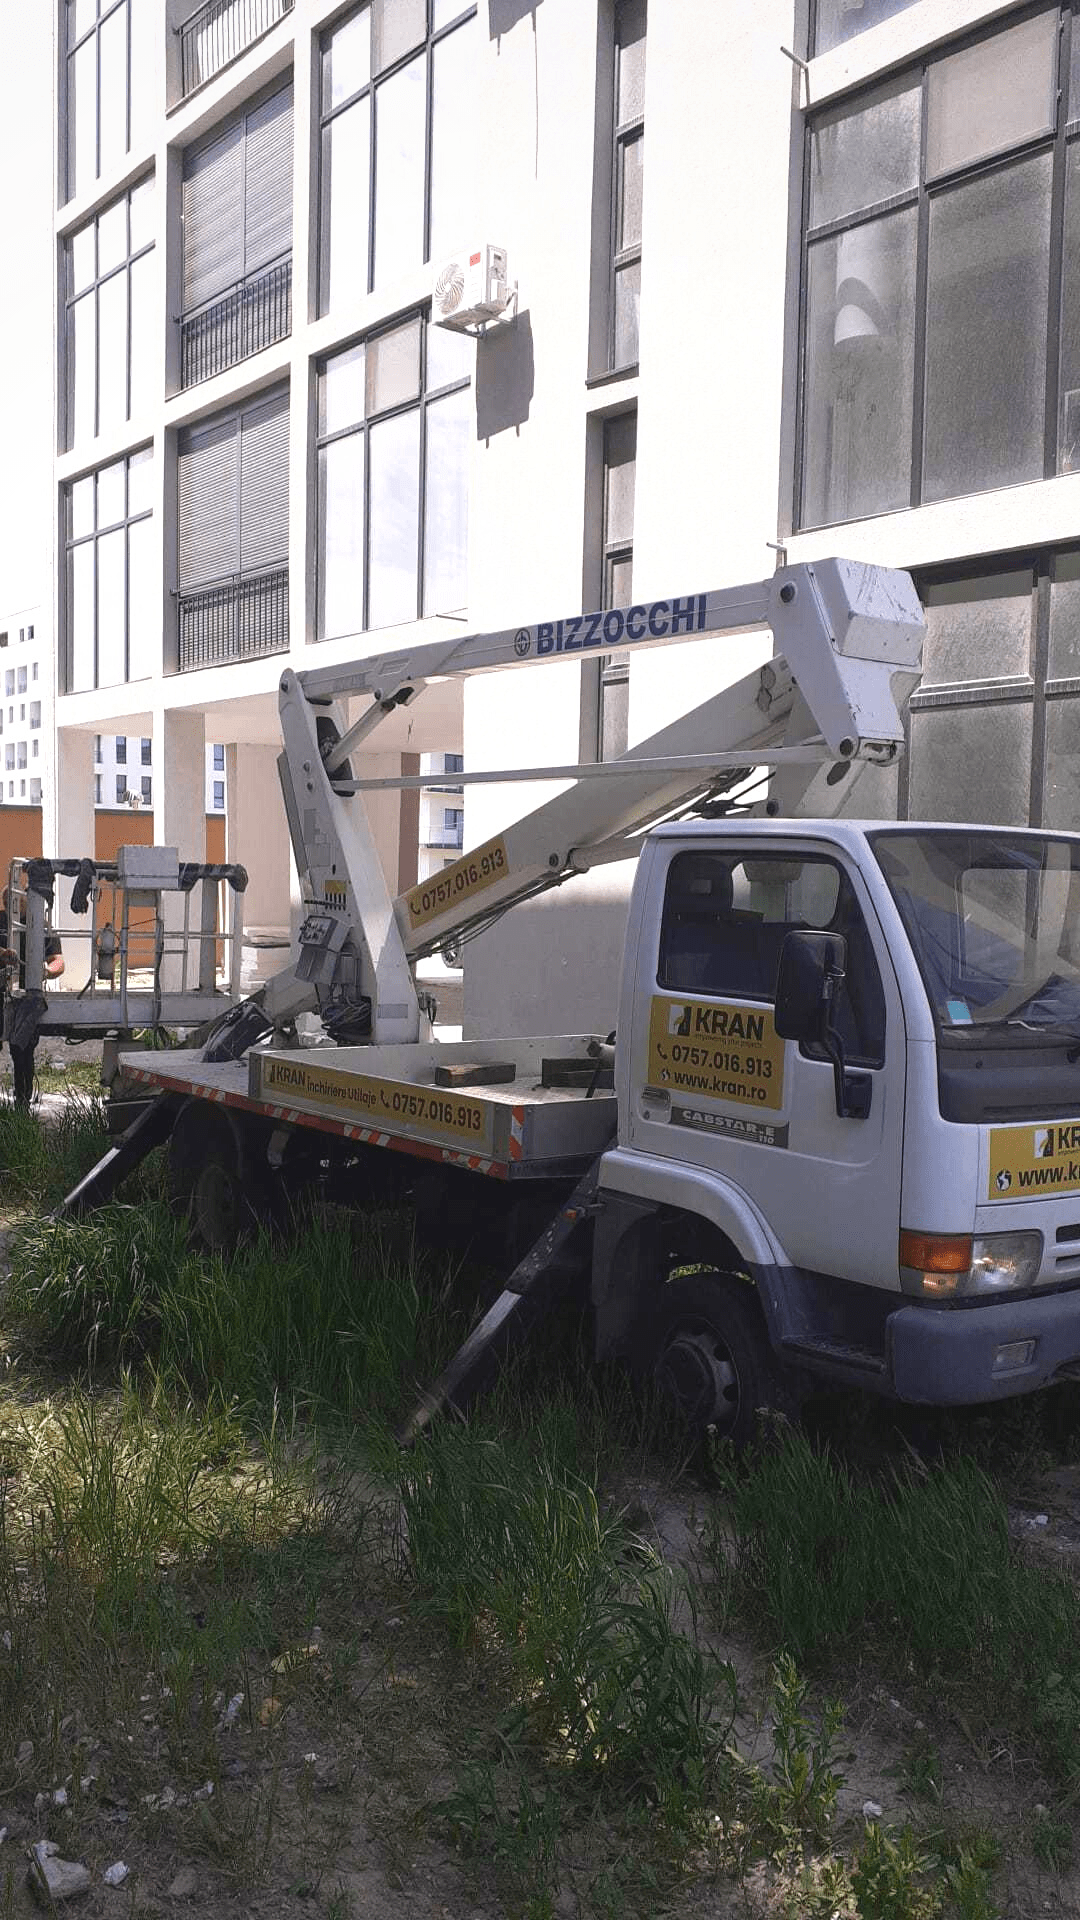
837 1133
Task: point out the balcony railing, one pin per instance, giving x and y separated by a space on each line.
250 316
239 619
219 31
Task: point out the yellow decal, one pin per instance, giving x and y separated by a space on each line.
457 883
716 1052
394 1105
1034 1163
334 893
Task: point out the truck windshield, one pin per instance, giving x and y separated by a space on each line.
994 921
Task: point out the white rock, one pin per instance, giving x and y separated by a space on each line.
204 1793
871 1810
51 1879
184 1885
115 1875
229 1716
60 1797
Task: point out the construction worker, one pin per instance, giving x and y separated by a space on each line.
22 1051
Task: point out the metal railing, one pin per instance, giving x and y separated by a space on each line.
238 619
250 316
220 30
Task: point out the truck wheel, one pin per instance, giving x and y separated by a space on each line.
211 1178
713 1358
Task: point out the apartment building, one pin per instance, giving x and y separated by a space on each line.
26 719
124 773
795 274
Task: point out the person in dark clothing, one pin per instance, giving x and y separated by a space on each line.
22 1057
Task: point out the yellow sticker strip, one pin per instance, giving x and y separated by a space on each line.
716 1052
395 1105
455 884
1034 1163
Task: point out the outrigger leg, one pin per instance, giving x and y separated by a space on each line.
149 1130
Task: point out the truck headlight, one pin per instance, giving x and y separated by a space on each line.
944 1266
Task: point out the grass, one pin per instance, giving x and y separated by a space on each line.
510 1665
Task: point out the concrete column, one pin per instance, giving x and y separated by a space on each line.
256 834
180 811
68 834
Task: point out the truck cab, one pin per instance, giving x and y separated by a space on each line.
910 1219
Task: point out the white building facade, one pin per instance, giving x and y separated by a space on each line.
26 712
795 273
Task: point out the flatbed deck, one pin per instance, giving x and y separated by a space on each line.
516 1128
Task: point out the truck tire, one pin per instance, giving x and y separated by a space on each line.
213 1179
712 1356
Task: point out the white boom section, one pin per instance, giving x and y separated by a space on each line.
849 640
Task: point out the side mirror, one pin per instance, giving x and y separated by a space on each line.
812 966
808 979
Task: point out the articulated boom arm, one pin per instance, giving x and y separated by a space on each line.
848 640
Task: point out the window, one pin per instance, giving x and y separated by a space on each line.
146 750
22 789
97 789
233 485
627 175
35 748
219 759
20 756
30 635
237 240
620 471
98 755
20 684
219 794
106 42
725 923
931 263
34 670
840 20
397 179
453 763
9 680
121 750
113 611
108 323
395 425
146 788
453 819
121 789
35 793
9 754
22 710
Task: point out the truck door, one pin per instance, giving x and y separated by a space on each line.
711 1084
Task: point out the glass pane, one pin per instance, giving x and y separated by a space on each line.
110 494
144 17
81 15
1061 803
394 509
142 332
986 312
631 162
1064 659
81 258
629 60
400 110
110 595
112 39
141 481
453 160
1069 429
839 20
978 629
991 96
82 507
144 629
82 355
619 588
82 117
346 163
627 305
81 617
341 390
397 27
142 214
341 537
443 11
860 349
393 368
347 60
620 471
112 236
861 155
112 352
947 742
446 503
450 356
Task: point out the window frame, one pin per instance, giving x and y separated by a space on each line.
325 117
1057 141
73 542
106 9
624 134
92 292
421 402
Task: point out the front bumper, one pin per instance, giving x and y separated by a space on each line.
954 1356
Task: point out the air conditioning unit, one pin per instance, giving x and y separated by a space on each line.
470 289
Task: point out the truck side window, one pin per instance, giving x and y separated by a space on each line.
726 919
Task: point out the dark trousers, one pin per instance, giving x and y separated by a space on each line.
22 1060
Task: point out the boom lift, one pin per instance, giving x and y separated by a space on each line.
839 1133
